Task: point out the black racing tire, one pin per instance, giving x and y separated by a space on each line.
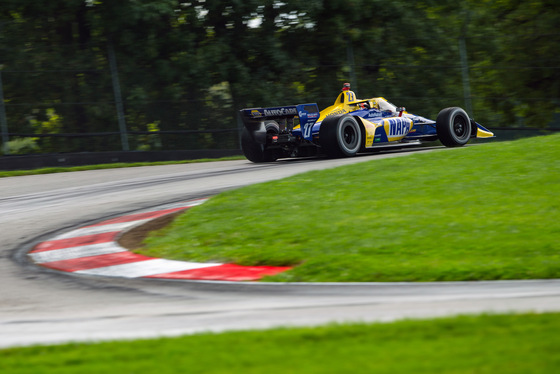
256 152
340 136
453 127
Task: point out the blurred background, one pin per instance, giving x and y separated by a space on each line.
152 75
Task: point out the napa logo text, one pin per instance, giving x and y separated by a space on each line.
398 126
255 113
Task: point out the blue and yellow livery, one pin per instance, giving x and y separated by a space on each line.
347 127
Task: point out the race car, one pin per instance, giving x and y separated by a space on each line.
348 127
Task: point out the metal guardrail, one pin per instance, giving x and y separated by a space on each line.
138 140
28 162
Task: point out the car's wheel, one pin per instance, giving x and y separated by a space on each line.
257 152
453 127
340 136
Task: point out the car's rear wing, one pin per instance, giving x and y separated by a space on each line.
254 119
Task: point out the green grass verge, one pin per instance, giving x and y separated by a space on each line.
484 212
527 343
16 173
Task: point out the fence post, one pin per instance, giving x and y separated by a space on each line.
351 64
118 95
3 120
464 61
465 73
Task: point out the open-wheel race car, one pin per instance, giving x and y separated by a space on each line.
348 127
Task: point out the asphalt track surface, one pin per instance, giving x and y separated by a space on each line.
41 306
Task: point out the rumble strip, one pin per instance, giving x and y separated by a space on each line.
93 250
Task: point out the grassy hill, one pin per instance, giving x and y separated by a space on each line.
482 212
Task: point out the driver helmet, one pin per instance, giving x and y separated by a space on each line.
346 87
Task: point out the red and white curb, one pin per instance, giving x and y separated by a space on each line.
93 250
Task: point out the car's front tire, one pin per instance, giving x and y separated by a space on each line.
453 127
340 136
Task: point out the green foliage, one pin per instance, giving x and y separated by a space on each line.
481 212
21 146
515 343
171 55
149 142
52 125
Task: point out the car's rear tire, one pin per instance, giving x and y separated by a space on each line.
257 152
340 136
453 127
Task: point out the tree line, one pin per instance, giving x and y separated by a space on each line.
184 68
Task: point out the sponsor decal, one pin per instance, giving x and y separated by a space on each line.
280 111
303 114
336 112
255 114
398 126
